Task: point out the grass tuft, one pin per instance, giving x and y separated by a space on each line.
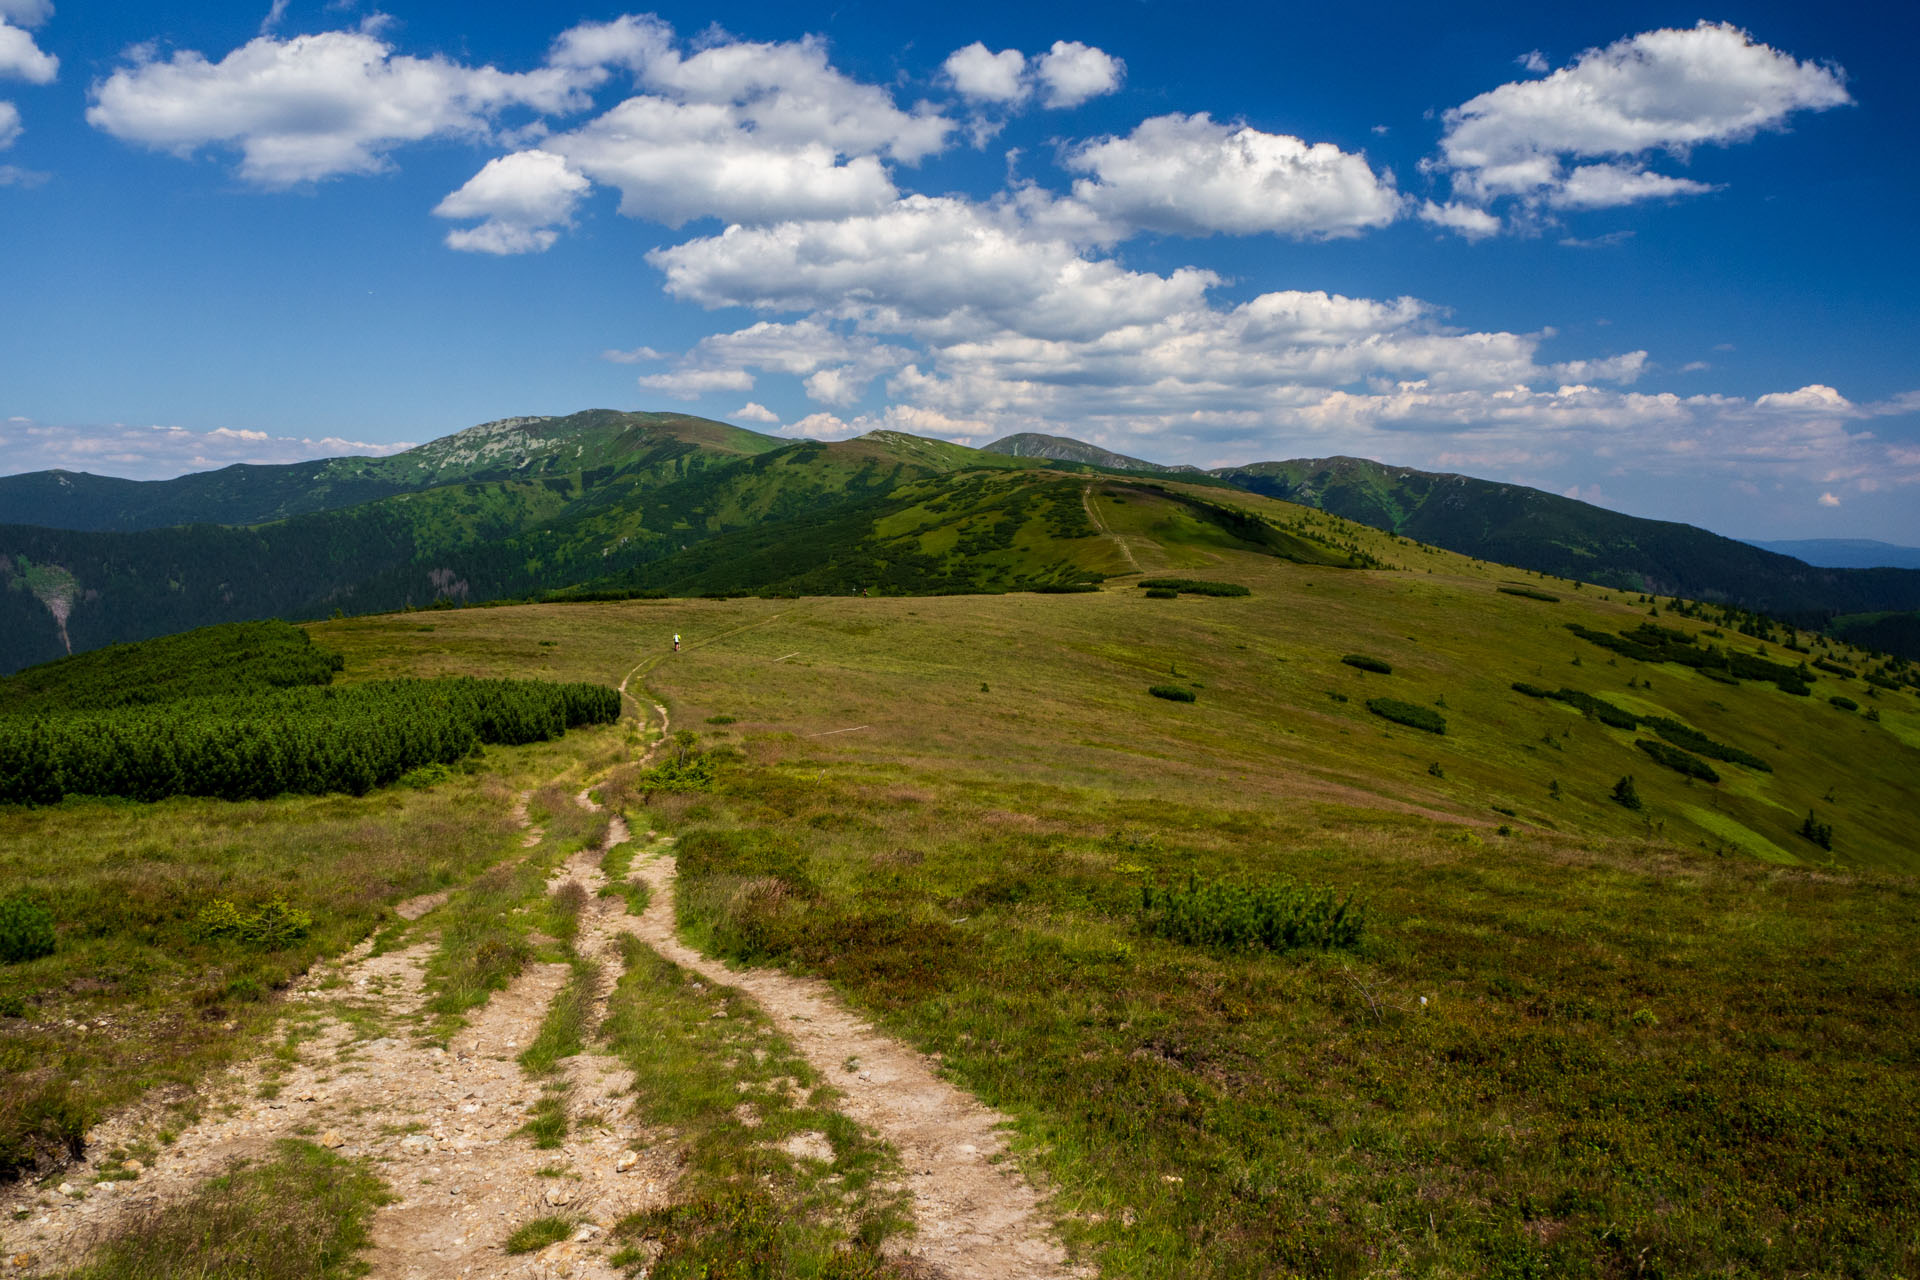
304 1214
531 1237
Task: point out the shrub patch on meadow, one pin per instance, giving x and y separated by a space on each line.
1650 642
1366 663
1596 708
1678 760
1194 587
1280 915
1407 713
304 740
26 929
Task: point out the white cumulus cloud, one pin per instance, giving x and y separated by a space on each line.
28 13
315 106
1188 175
754 411
836 367
675 161
743 131
22 59
1665 91
630 41
982 76
522 198
9 124
1469 220
1071 72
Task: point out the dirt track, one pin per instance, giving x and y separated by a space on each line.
443 1126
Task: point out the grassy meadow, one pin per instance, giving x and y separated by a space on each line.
1574 1038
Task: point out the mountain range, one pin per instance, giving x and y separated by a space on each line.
1845 553
606 502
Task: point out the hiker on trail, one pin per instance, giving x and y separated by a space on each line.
676 642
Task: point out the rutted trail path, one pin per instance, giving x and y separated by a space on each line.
445 1127
1100 523
977 1218
441 1126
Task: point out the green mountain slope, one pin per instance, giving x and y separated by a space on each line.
1515 525
511 448
612 502
641 496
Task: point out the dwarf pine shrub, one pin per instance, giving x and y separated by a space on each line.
1530 594
1195 587
1627 795
1172 692
1693 740
1408 714
270 926
1281 915
26 929
1678 760
1844 703
1366 663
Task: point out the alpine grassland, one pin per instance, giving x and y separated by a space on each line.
1270 984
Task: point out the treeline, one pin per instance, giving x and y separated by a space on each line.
258 744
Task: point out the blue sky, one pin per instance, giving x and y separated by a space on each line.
1661 258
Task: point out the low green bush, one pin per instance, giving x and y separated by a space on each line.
1408 714
26 929
1162 593
1599 708
684 768
1172 692
1693 740
1281 915
1365 663
1678 760
1628 795
272 925
1844 703
1195 586
1530 594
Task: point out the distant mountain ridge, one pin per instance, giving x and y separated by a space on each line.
610 501
1533 529
597 502
1032 444
244 494
1844 553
